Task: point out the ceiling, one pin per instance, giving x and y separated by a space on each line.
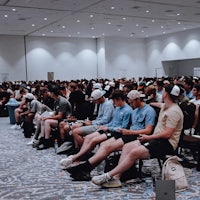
98 18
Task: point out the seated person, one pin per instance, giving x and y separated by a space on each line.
4 97
62 109
105 114
121 119
163 141
142 122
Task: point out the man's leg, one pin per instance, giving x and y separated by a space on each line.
47 127
105 149
89 143
130 153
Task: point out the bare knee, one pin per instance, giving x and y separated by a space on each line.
62 124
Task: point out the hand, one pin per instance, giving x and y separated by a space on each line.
104 128
124 131
144 138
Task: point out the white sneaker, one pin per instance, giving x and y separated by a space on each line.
30 143
112 183
16 127
101 179
33 141
66 162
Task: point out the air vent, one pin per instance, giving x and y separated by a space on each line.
144 27
169 11
136 7
119 25
24 18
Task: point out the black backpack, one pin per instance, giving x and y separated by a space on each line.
188 110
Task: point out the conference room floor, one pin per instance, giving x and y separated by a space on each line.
26 173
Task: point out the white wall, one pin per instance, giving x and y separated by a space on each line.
182 45
67 58
109 57
125 57
101 69
12 63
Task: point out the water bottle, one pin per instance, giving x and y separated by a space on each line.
149 192
55 145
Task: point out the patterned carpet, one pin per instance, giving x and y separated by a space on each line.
26 173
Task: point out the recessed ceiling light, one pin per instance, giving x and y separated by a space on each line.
112 7
78 33
63 26
77 20
178 14
103 33
124 18
119 29
69 36
93 37
5 16
137 24
14 9
153 20
132 34
51 31
162 26
91 16
45 18
33 25
109 22
179 22
184 28
142 31
147 11
92 28
43 34
163 32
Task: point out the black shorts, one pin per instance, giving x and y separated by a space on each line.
159 147
129 138
111 134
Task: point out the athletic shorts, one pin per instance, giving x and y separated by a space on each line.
86 130
129 138
111 134
159 147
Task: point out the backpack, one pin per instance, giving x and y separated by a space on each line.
188 110
173 170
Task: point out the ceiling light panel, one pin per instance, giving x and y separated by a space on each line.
123 15
24 18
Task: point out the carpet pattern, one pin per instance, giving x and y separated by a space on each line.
26 173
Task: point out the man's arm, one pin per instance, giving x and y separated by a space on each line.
148 130
165 135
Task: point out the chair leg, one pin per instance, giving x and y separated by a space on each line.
160 164
140 169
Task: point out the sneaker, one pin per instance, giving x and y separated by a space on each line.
32 142
16 127
66 162
112 183
99 180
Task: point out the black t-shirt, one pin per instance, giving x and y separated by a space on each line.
6 95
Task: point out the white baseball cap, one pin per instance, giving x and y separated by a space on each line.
97 94
134 94
29 96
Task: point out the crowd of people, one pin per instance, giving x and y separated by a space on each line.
140 118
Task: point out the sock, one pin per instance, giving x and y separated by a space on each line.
108 176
